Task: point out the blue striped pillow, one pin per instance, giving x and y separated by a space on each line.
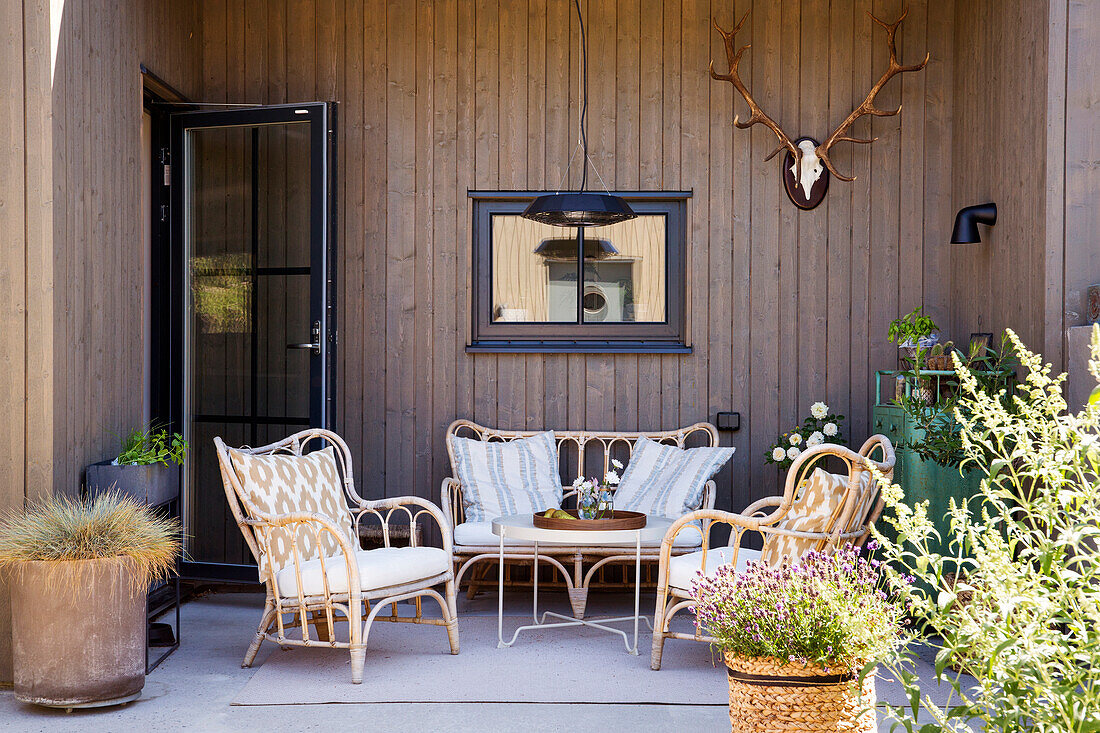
667 481
499 479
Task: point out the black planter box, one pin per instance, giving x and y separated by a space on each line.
153 485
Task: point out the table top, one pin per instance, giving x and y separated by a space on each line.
522 527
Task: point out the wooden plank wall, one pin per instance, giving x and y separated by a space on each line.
440 97
1081 254
999 154
98 220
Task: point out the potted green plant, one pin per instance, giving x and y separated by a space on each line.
78 572
1013 600
146 468
912 332
930 448
801 641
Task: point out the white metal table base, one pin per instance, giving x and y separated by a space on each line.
566 620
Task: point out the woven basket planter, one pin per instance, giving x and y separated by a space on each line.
767 695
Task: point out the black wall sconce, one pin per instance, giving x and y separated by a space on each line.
968 219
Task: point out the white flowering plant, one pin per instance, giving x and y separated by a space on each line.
822 426
1015 603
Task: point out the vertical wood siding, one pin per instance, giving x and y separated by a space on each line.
999 154
785 307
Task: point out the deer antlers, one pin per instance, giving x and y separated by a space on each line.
867 107
733 59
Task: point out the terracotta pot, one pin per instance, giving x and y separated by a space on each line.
78 633
769 695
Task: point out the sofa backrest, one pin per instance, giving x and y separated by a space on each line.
588 452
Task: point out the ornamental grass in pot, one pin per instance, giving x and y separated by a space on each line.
801 641
79 572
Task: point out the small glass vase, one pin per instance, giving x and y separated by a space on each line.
587 505
605 508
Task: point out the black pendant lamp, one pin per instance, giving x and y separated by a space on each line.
582 208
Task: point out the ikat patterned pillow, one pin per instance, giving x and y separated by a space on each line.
281 484
817 506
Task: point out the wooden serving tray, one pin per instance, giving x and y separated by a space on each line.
619 520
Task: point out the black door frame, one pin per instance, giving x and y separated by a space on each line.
169 357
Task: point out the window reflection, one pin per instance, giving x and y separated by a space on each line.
534 271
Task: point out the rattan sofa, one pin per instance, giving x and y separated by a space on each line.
580 452
849 523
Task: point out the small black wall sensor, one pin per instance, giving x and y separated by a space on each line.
728 420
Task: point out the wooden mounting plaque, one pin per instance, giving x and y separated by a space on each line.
619 520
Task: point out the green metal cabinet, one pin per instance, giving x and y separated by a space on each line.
919 479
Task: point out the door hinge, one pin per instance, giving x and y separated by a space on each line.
164 212
165 160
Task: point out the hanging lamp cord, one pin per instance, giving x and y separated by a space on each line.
584 97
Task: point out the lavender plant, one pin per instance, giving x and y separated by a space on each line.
1017 606
829 610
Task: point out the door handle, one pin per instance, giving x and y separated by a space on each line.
315 345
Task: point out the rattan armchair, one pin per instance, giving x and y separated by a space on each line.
850 523
310 595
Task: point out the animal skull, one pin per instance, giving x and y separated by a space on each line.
811 168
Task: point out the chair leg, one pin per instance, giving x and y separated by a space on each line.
358 658
659 628
473 584
450 611
578 594
254 647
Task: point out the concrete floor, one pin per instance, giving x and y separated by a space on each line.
193 689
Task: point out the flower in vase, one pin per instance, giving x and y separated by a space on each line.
611 478
617 464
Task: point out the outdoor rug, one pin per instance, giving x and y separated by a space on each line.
408 664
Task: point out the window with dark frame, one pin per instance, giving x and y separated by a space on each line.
534 291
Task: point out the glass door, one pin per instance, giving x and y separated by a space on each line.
255 321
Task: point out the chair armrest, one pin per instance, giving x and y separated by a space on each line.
708 517
450 494
710 493
758 506
384 509
319 523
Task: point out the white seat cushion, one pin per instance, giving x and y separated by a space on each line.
503 478
684 569
379 568
665 480
480 534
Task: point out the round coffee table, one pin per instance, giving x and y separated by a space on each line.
522 527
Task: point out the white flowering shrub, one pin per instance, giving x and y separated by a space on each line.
821 426
1017 606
